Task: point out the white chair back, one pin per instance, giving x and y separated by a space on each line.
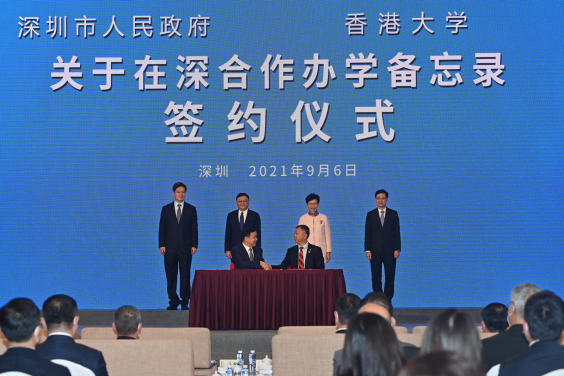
74 368
14 373
494 371
556 372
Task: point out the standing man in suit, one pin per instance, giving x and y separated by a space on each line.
178 241
303 255
382 243
247 255
237 221
19 320
60 317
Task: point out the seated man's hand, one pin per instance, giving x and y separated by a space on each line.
265 265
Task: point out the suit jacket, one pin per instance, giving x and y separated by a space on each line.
64 347
181 235
410 351
241 259
382 240
539 359
314 258
504 346
28 361
233 230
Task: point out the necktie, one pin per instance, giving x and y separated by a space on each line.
179 213
301 260
251 254
382 218
241 221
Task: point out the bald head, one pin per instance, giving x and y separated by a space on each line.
376 309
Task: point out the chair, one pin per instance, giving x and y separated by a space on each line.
14 373
74 368
494 371
419 330
556 372
171 357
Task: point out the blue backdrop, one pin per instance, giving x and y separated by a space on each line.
475 172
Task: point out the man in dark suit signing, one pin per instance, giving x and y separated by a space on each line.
303 255
237 221
178 241
19 320
60 317
382 243
247 255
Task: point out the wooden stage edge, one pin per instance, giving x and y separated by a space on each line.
162 317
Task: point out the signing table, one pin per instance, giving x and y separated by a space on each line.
264 299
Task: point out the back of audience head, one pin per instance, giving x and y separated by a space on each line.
441 363
519 296
494 318
379 304
453 330
346 307
371 348
19 321
544 317
127 322
60 313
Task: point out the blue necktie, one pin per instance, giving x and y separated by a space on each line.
241 221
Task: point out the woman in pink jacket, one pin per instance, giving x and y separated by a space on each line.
320 232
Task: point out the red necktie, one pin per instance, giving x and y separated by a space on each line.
301 260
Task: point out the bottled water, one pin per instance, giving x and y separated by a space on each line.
245 371
240 359
229 371
252 361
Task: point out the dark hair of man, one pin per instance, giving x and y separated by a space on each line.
380 299
311 197
246 233
495 317
347 306
544 314
59 310
441 363
371 348
241 195
127 319
178 185
453 330
18 319
305 228
381 191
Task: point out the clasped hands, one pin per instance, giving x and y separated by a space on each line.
265 265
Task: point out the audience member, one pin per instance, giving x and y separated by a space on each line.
543 328
60 317
441 363
127 322
494 318
346 307
19 320
379 304
512 342
455 331
371 348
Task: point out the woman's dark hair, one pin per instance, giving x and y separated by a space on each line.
441 363
456 331
371 348
312 196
